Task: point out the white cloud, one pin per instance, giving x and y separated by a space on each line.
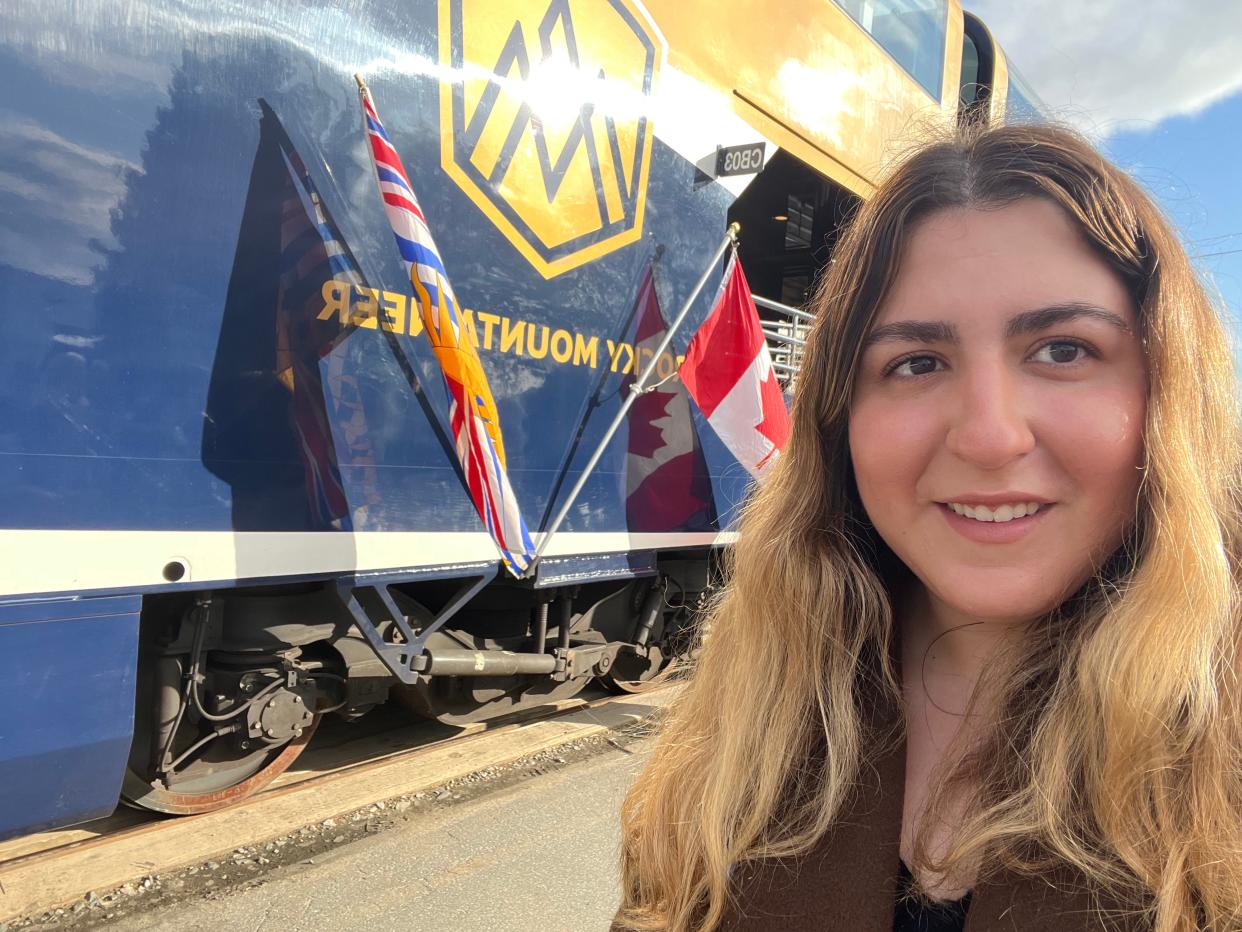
1107 64
66 192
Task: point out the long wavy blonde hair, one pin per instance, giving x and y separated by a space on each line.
1119 748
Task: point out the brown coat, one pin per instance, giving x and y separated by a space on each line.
848 882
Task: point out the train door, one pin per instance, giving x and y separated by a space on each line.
791 216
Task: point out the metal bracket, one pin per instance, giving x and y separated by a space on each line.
595 567
576 661
405 659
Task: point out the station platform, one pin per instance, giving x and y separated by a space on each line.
540 855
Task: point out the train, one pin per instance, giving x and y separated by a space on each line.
230 503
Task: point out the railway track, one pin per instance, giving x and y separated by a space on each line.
76 873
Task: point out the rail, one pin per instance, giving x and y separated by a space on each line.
783 308
786 338
302 814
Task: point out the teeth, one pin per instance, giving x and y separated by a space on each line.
999 515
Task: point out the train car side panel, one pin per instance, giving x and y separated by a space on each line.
67 674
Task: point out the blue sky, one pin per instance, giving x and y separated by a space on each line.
1188 162
1159 87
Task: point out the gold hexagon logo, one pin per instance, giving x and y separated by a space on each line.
546 122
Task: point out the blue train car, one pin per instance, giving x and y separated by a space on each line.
229 500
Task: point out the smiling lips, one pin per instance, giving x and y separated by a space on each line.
997 523
1000 514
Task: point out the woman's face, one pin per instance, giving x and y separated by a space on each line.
997 424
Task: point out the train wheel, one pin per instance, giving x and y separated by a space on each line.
212 728
215 780
633 671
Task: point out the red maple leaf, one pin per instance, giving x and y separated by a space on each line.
645 435
775 423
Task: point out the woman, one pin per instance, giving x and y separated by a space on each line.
977 662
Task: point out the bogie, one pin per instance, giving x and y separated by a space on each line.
233 683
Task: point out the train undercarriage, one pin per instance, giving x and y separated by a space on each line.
232 683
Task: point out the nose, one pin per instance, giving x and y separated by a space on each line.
989 426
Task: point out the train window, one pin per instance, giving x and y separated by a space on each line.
799 222
978 64
911 31
796 287
1021 103
968 84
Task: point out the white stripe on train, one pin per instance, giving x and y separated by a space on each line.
47 562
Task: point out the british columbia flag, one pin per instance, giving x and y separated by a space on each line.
472 410
310 253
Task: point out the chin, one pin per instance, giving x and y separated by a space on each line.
1000 613
1008 600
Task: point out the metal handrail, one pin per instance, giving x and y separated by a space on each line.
786 348
784 337
783 308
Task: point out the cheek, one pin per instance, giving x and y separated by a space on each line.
890 446
1099 441
1098 444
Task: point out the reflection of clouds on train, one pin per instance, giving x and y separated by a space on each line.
511 377
822 100
129 56
68 189
66 373
911 31
103 42
58 413
178 247
159 294
130 52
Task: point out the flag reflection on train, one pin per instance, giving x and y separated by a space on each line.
312 252
728 371
473 419
668 487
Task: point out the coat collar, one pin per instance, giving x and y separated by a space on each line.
848 881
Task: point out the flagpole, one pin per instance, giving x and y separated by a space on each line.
636 389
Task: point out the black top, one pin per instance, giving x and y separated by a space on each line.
915 913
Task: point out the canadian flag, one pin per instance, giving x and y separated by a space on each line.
668 487
728 372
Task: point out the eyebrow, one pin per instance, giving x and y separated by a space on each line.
939 331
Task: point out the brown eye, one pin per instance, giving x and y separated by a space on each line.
1061 352
915 365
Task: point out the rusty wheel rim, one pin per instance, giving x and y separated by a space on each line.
633 687
143 795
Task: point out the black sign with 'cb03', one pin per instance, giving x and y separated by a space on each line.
739 160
